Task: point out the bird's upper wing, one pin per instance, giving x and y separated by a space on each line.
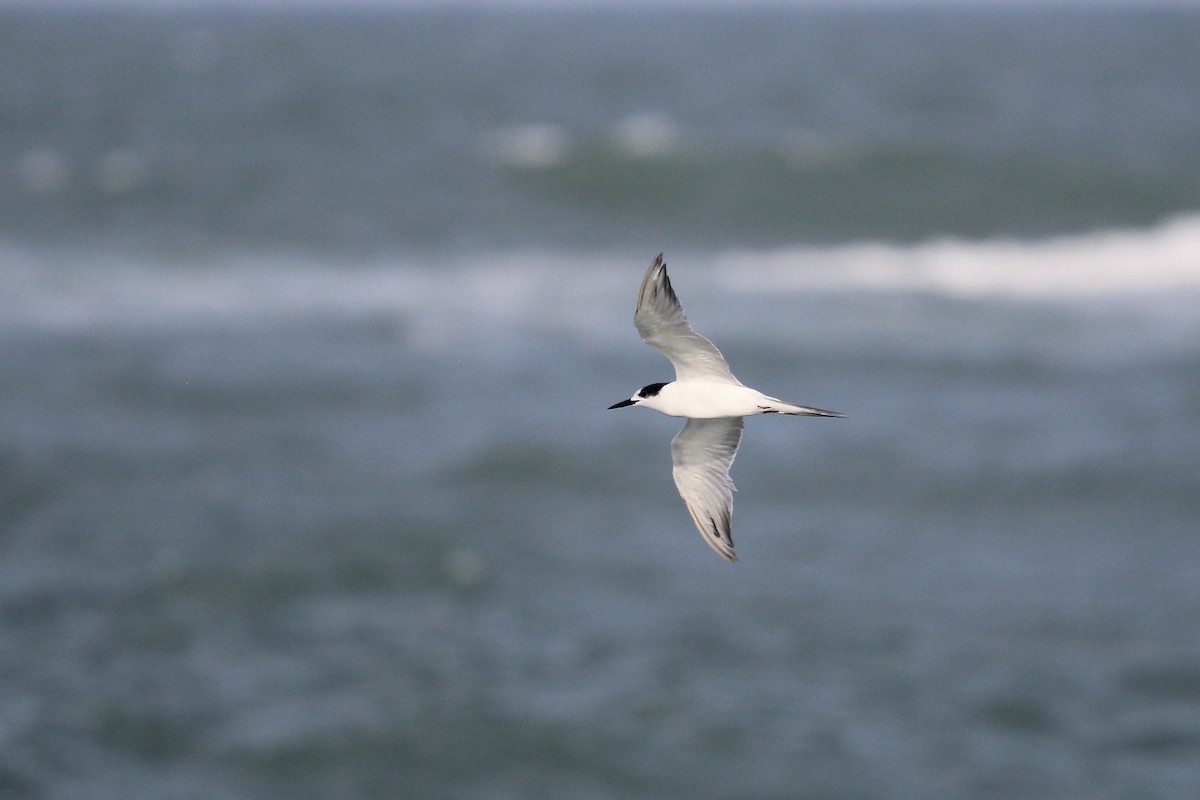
660 320
701 455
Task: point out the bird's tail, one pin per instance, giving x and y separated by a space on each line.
779 407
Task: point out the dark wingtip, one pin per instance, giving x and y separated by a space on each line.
665 284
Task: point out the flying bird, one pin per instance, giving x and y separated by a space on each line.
714 402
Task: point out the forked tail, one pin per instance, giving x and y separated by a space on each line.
779 407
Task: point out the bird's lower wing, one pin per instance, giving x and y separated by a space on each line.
660 320
701 454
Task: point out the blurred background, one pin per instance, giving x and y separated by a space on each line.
308 323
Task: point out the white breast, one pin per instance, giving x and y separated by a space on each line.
706 400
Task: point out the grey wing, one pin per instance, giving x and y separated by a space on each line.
701 454
662 324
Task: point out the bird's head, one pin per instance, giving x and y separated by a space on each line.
643 393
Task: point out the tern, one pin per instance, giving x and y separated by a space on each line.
714 402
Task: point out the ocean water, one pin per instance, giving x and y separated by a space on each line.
309 321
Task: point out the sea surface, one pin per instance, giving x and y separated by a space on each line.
308 325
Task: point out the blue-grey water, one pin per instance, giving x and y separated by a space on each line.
309 320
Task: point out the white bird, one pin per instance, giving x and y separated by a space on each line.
704 391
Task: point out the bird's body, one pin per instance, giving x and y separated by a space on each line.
710 397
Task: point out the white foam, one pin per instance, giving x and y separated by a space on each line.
445 298
43 171
120 171
1114 263
648 135
530 146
